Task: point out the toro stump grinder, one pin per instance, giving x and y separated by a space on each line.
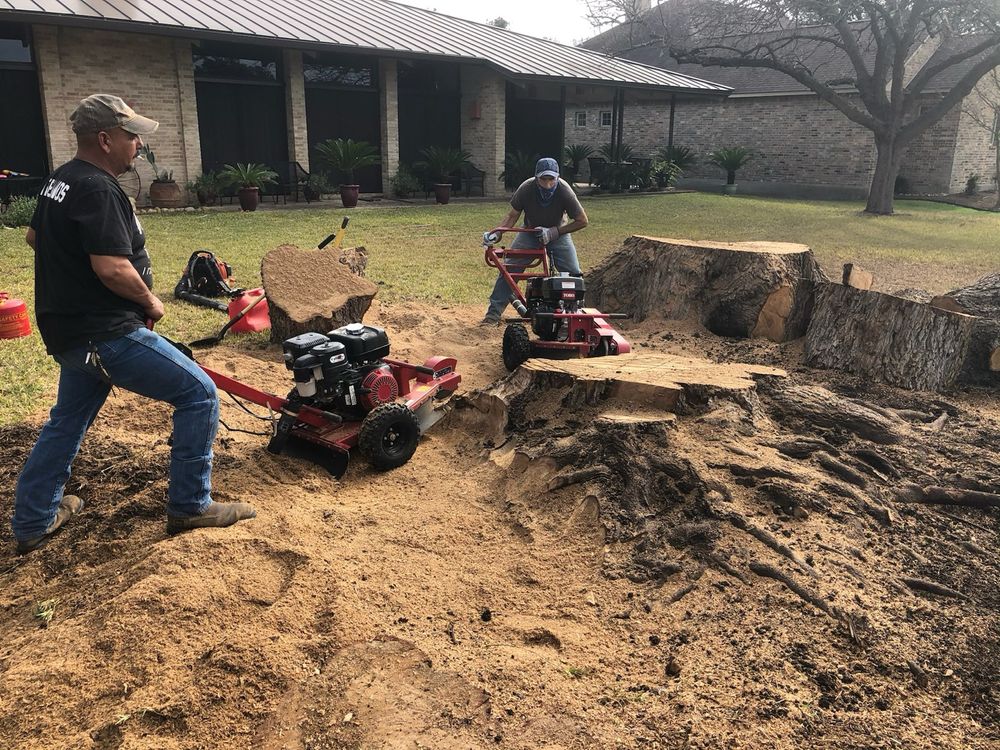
551 305
349 394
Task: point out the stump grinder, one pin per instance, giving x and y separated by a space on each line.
551 305
348 394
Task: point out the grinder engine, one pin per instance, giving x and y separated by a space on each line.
551 294
342 370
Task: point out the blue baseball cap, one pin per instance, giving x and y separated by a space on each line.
547 167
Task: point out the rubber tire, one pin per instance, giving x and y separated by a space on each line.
376 441
516 346
602 348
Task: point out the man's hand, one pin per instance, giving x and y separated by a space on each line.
155 309
491 238
548 235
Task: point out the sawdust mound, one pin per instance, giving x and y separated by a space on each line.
593 577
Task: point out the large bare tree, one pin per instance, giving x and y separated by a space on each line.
886 43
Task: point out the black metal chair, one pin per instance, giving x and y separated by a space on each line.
295 180
597 166
473 177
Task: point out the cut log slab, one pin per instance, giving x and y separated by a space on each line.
313 290
887 338
981 298
743 289
856 276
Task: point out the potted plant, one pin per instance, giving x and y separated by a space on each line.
249 179
731 159
440 164
683 156
316 186
575 155
344 155
164 192
206 188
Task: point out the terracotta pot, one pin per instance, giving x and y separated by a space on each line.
166 195
207 198
249 198
442 192
349 195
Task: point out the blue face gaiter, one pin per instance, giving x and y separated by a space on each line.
545 196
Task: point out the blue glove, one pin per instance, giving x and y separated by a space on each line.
548 235
491 238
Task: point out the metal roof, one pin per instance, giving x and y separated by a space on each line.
374 26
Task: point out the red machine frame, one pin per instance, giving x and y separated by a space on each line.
418 386
588 324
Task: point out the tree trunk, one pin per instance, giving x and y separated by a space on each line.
742 289
883 186
314 290
981 297
892 340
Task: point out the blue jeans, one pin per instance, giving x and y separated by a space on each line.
144 363
562 255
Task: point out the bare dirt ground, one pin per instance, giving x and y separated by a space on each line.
703 589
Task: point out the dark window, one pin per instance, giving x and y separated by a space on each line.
580 119
320 69
233 62
606 119
15 46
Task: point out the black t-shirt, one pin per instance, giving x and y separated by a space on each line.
82 211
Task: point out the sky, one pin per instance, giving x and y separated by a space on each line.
564 21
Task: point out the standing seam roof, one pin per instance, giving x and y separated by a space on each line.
370 25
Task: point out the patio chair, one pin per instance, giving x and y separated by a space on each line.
473 177
294 181
597 166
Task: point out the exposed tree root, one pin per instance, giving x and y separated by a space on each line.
919 584
762 536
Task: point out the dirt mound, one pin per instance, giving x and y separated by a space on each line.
738 574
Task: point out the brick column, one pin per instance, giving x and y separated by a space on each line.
295 108
58 132
483 116
187 110
388 113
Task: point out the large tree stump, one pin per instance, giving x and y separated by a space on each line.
897 341
313 290
742 289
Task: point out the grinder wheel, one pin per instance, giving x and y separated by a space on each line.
516 346
389 435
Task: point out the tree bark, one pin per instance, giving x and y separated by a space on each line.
743 289
883 187
314 290
896 341
981 297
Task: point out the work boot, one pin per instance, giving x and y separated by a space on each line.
490 321
216 515
69 506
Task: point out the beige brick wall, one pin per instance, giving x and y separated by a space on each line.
388 121
484 112
152 73
927 161
975 152
295 108
799 139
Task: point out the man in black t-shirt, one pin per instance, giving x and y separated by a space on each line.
93 296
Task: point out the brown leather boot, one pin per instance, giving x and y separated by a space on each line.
69 506
216 515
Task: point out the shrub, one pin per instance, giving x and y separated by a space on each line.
19 212
730 159
901 186
972 184
665 172
683 156
404 183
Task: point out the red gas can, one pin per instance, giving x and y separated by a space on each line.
14 321
258 319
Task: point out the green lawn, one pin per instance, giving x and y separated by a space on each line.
434 252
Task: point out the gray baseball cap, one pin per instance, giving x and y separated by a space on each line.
547 167
106 111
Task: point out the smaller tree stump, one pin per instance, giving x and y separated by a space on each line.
314 290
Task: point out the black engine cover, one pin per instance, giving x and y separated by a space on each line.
362 343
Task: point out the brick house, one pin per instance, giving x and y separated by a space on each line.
265 82
805 147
